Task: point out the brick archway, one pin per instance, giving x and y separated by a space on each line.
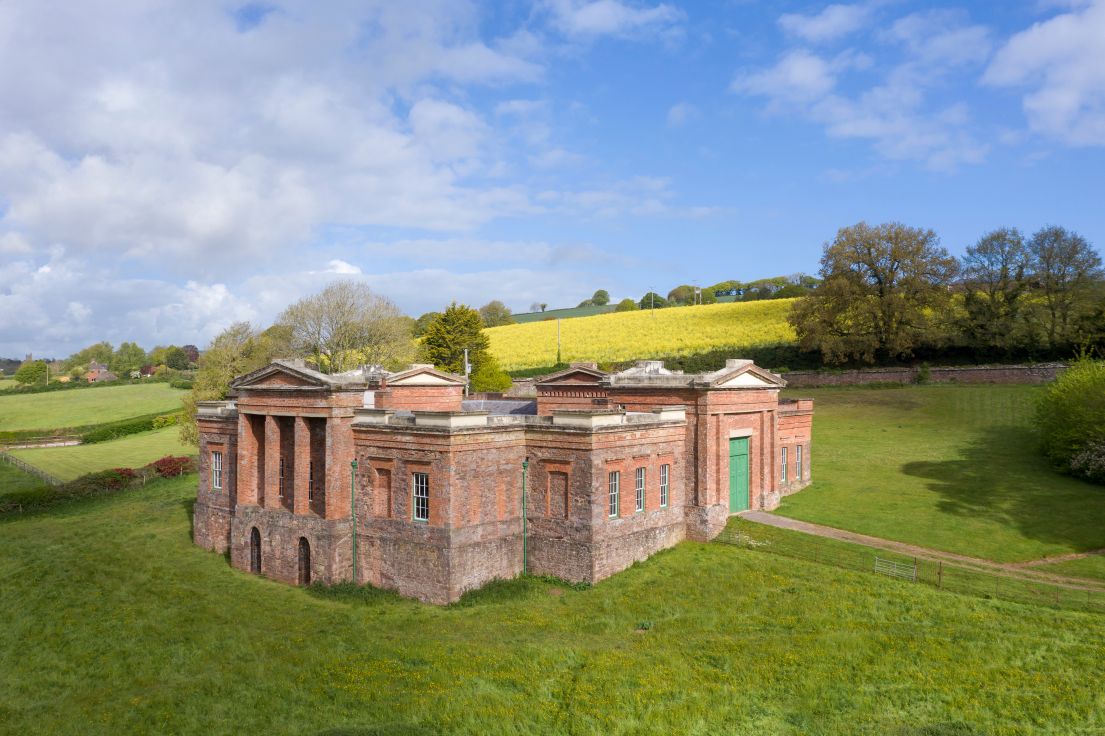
255 551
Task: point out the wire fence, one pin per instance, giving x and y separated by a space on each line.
28 468
1088 595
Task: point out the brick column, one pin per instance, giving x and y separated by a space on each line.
301 464
339 453
271 495
247 461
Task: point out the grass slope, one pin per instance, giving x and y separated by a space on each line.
1087 567
13 479
642 334
136 630
134 451
950 467
88 406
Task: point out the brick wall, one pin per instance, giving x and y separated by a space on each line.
1042 373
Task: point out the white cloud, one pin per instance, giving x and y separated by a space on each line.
831 23
680 114
894 114
1060 60
612 17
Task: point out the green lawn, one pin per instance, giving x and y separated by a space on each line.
114 622
1087 567
129 452
80 407
14 479
951 467
7 383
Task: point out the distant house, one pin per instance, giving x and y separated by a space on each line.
98 372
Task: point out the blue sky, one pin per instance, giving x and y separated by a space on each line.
168 169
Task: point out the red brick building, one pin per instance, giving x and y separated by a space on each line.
446 494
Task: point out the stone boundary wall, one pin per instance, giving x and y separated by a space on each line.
1038 373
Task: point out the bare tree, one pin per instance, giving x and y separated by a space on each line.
346 325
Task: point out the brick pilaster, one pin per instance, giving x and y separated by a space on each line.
271 493
302 457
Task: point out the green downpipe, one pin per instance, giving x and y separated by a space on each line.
353 512
525 549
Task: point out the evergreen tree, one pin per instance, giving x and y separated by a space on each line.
446 338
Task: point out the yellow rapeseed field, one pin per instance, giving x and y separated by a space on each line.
644 334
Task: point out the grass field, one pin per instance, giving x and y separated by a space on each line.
7 383
643 334
1087 567
136 630
81 407
950 467
14 479
134 451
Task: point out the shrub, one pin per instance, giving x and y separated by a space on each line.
166 420
183 383
170 466
1071 419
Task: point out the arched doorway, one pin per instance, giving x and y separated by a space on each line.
255 551
304 561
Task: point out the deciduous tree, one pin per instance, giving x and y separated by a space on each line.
495 313
995 289
883 287
1065 270
346 325
601 297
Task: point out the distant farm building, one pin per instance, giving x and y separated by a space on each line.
98 373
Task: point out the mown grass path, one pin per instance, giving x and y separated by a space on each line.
114 622
132 451
81 407
951 467
1035 570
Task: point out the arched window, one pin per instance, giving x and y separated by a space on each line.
304 561
255 551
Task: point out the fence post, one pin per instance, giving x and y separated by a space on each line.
940 574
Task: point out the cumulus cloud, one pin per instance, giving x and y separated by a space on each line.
895 113
1060 61
680 114
591 18
831 23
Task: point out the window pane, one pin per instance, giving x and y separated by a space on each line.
784 464
664 485
640 489
614 489
421 493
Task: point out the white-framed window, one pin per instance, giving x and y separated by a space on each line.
216 470
798 462
420 496
665 471
281 477
311 480
783 461
640 489
614 482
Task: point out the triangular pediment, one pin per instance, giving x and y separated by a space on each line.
424 375
280 375
742 374
573 375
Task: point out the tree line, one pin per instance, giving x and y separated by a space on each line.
341 328
889 290
126 361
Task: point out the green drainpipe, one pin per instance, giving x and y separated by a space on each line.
525 561
353 512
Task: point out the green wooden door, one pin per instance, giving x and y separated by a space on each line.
738 474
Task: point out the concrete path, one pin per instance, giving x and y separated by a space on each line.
1021 570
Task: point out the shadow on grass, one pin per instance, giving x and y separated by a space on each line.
1002 477
189 505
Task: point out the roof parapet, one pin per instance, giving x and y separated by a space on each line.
216 409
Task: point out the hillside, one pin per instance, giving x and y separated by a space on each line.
643 334
85 406
117 623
